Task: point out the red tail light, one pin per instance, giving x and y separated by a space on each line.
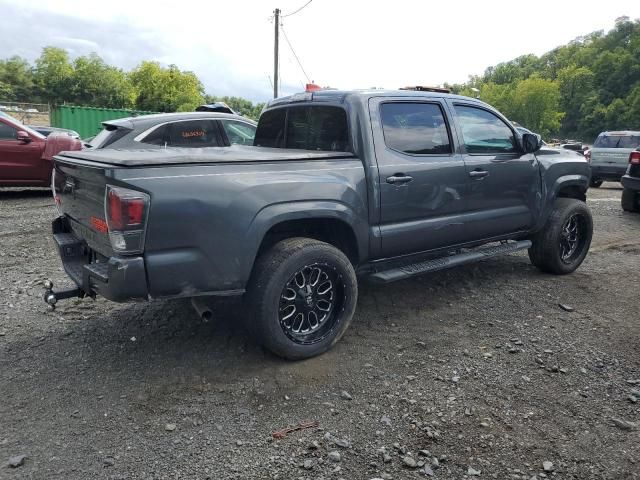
126 213
125 208
634 158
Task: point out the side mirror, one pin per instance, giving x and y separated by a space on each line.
23 136
531 142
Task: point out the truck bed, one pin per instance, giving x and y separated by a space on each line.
182 156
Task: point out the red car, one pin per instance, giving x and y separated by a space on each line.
26 156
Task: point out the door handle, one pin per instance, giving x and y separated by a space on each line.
478 174
399 179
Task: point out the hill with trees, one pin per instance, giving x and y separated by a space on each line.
88 81
576 90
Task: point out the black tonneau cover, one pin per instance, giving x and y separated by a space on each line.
181 156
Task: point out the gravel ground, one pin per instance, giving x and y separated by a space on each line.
471 372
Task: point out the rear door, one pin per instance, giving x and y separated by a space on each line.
504 184
422 180
20 162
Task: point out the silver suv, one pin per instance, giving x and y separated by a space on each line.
610 155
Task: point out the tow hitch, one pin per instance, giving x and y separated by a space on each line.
51 298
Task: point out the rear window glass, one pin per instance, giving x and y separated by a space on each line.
319 128
189 134
617 141
415 128
107 136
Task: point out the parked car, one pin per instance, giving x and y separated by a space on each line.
220 107
610 155
631 184
26 156
377 184
46 131
185 130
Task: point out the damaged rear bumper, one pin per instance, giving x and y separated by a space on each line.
118 279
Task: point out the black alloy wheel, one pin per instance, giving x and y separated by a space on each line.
310 302
572 237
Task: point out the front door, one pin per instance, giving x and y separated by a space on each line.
504 194
421 178
20 162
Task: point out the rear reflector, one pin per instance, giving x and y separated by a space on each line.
99 225
634 158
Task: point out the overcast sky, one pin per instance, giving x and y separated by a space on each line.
340 43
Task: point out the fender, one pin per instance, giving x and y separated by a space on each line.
551 192
274 214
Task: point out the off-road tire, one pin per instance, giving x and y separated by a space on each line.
546 251
630 200
274 271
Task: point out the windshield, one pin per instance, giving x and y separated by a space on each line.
617 141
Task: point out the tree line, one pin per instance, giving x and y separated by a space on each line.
576 91
88 81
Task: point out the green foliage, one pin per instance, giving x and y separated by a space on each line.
16 79
577 90
53 75
89 81
536 102
165 89
96 83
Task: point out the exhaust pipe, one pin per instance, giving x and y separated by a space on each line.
202 309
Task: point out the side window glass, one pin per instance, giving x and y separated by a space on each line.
415 128
7 132
483 132
193 134
270 132
160 136
239 133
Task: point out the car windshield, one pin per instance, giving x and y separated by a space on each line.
617 141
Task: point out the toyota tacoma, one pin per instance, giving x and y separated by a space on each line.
338 185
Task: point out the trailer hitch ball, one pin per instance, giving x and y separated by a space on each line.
50 298
48 284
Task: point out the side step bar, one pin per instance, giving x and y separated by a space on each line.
427 266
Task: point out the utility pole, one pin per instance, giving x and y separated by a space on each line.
275 52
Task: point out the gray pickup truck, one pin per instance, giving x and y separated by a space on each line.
339 185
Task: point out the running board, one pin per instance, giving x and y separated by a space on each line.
427 266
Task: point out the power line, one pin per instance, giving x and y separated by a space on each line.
293 13
294 52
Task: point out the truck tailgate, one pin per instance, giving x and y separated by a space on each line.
79 192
